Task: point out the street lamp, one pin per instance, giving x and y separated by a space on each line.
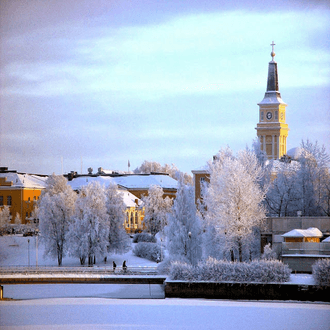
29 252
37 231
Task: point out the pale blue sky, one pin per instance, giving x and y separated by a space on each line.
167 81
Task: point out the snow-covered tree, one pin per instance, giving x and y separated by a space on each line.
118 238
313 179
184 230
89 229
234 197
55 209
5 217
148 167
282 196
156 209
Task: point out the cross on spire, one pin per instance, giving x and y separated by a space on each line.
272 54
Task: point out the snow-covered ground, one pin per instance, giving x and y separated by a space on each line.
100 313
17 251
86 306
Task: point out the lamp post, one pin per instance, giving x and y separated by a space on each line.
29 252
37 231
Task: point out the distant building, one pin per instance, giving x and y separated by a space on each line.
132 187
20 191
134 210
272 129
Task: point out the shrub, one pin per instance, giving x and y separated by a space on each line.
147 250
269 253
321 272
144 237
219 270
165 266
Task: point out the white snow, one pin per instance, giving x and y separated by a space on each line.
183 314
25 180
310 232
131 181
57 311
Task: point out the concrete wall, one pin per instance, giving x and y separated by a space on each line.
279 226
301 263
254 291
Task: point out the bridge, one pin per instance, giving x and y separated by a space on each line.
78 275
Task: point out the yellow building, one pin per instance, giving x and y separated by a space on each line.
134 210
272 129
20 191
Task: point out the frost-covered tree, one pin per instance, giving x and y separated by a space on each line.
89 229
5 217
118 240
234 197
313 179
282 196
156 209
184 230
148 167
55 209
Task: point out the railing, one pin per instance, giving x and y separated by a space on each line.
305 248
138 270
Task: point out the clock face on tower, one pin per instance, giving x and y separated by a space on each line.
269 115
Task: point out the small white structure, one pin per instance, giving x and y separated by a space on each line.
303 235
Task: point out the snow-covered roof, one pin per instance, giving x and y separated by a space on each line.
272 98
81 181
310 232
20 180
278 166
327 240
132 181
202 169
130 199
142 181
295 153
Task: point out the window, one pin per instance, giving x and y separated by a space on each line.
9 200
27 214
1 200
276 115
262 116
136 218
29 199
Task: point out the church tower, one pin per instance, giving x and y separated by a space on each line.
272 129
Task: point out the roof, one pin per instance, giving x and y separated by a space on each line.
145 181
24 180
128 198
327 240
310 232
130 181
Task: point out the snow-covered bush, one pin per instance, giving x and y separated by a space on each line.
183 271
165 266
144 237
147 250
219 270
269 253
321 272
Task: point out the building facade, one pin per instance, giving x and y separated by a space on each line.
272 129
20 191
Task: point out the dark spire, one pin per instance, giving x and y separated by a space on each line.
272 82
272 94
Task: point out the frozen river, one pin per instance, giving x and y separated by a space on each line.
102 313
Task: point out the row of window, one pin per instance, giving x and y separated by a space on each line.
8 201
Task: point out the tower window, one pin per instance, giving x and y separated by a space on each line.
276 115
262 116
